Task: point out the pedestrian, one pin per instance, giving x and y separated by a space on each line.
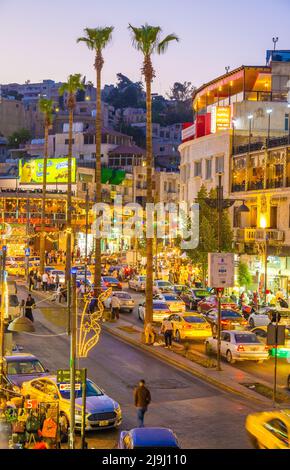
22 308
46 257
30 280
29 304
56 281
167 330
142 399
35 280
44 281
149 334
115 306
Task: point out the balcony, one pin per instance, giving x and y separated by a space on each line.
260 145
252 235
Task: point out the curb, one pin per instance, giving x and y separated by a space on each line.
188 369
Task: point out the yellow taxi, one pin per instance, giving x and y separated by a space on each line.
102 412
269 429
189 325
16 270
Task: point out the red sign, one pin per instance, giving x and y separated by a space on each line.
30 404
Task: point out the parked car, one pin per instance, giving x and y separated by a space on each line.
174 302
179 288
126 301
189 326
282 351
191 297
112 282
230 320
211 302
61 275
160 286
238 346
13 307
269 429
137 283
263 316
102 412
20 367
147 437
160 311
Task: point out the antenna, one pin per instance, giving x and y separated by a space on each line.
227 69
275 40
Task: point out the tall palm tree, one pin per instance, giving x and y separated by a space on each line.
146 39
70 88
96 40
46 107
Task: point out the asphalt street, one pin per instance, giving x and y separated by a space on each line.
201 415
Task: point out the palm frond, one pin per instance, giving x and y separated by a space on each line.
163 45
97 38
145 38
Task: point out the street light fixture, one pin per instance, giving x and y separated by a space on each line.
269 112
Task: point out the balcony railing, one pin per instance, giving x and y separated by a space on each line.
252 235
261 145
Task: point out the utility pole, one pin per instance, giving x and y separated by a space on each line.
266 267
27 242
73 342
219 294
2 313
86 240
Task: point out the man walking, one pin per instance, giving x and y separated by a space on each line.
44 281
167 329
29 304
142 399
115 305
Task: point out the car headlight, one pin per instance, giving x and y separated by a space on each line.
117 408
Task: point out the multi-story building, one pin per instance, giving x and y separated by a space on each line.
31 92
241 129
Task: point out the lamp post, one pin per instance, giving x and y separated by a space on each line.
250 118
269 112
86 239
234 122
220 204
263 225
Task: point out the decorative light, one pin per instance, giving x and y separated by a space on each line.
250 117
269 111
263 221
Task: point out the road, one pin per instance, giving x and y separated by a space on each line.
196 411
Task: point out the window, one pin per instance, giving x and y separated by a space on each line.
227 337
162 149
278 429
84 186
93 155
81 156
83 110
286 122
197 168
208 164
219 164
165 185
273 216
67 140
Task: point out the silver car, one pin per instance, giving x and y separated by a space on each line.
126 301
137 283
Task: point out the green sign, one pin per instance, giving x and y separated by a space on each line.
63 375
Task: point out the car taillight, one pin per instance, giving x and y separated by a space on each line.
224 322
266 348
107 283
240 348
187 326
244 322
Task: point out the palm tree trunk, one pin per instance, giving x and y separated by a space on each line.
42 235
149 199
98 267
69 200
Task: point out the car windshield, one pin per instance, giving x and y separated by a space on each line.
200 293
123 295
171 297
159 306
24 367
246 338
92 391
230 314
142 278
111 279
164 283
194 319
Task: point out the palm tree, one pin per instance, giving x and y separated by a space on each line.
71 87
46 107
146 39
96 40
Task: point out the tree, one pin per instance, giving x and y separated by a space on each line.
181 91
208 236
244 275
46 107
19 137
70 88
146 39
96 40
126 93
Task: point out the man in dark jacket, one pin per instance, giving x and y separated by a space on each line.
142 399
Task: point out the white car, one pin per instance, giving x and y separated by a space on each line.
61 275
126 301
137 283
160 311
160 286
238 346
263 317
175 304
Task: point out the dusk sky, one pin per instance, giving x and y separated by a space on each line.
38 38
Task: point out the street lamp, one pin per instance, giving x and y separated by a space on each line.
263 225
234 122
219 203
269 112
250 118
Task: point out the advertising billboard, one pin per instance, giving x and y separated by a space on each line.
221 270
31 171
220 118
